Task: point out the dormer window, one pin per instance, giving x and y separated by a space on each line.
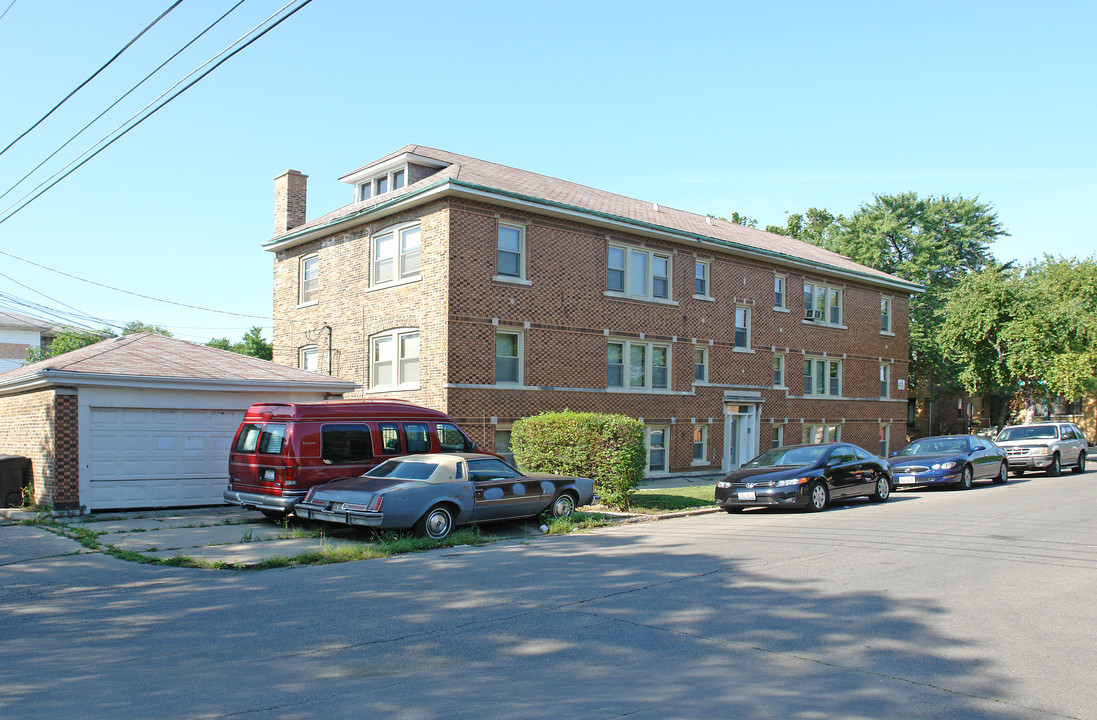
381 184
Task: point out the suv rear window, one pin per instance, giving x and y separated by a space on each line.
345 444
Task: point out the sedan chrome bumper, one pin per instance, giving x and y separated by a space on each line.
344 517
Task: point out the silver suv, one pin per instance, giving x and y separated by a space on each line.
1043 446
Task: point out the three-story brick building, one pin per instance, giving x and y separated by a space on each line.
494 293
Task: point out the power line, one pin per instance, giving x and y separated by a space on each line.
120 99
92 76
54 179
9 7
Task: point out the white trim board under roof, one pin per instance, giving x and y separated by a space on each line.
502 185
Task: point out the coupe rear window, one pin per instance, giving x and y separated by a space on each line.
1029 432
403 470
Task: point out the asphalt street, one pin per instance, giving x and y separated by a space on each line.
937 604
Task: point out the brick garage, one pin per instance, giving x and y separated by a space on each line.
557 294
139 421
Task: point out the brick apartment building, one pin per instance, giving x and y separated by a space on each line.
494 293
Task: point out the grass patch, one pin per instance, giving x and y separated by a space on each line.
663 500
577 521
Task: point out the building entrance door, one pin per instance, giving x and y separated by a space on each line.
740 434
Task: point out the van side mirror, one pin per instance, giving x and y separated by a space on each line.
470 446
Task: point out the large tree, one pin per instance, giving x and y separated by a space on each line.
251 344
1030 332
933 241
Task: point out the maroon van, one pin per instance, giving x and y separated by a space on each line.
283 449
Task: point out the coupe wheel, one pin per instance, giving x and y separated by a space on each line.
436 523
965 479
882 491
1081 466
1003 474
817 497
1054 469
563 505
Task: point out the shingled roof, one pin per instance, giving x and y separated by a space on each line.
554 194
153 358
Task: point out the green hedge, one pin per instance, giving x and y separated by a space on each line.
607 448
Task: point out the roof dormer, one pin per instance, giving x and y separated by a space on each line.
390 174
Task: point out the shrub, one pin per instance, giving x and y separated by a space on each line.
607 448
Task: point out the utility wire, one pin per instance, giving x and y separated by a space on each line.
54 179
92 77
9 7
120 99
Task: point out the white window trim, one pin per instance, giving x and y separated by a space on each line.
301 302
825 320
885 381
704 446
784 371
707 295
648 358
503 427
397 232
395 334
810 429
371 183
841 376
705 363
649 295
780 428
521 278
784 293
889 331
305 350
521 358
735 324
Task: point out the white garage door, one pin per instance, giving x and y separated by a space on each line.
142 457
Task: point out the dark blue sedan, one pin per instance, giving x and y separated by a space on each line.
954 460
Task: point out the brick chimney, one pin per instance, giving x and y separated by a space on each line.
290 191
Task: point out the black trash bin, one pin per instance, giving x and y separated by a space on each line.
14 476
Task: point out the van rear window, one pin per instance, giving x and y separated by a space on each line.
270 441
451 439
248 438
345 444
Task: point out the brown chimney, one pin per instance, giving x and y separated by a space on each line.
290 192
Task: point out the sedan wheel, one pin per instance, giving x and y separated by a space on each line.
563 505
883 489
965 479
1054 469
436 524
1003 475
817 497
1081 466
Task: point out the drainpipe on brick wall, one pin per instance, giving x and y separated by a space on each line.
330 341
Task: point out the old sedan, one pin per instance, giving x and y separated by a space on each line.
434 493
954 460
805 476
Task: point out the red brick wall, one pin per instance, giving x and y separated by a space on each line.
565 317
43 426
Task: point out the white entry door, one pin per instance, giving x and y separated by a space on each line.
740 435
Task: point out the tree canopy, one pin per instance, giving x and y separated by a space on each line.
69 339
251 344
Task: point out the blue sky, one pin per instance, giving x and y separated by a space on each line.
713 107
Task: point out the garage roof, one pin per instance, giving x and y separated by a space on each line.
151 360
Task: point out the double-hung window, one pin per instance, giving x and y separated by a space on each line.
510 257
308 358
309 279
637 365
700 365
778 371
700 444
778 292
638 273
394 359
817 434
823 303
885 381
701 271
885 315
396 255
508 358
822 377
742 328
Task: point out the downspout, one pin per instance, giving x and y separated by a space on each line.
330 340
